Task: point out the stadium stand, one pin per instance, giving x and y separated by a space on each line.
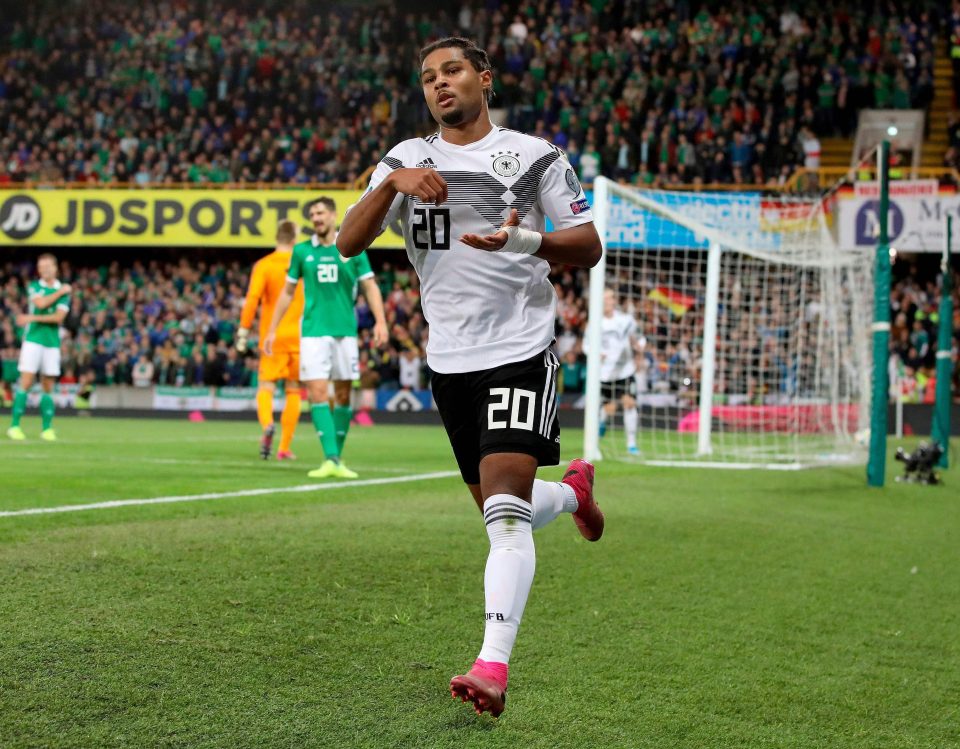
172 323
656 93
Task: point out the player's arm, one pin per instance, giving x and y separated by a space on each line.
250 304
57 317
578 246
574 240
366 220
375 301
283 304
633 338
44 301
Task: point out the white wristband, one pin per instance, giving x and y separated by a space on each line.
522 241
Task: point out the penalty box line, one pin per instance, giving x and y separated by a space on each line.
301 488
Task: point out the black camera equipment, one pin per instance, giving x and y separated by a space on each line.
919 467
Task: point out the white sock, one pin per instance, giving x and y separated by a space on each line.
630 426
550 498
509 573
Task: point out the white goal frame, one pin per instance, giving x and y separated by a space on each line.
718 242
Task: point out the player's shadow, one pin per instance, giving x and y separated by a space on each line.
471 721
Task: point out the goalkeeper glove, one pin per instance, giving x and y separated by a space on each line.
242 334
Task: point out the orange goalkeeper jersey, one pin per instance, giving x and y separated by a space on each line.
267 280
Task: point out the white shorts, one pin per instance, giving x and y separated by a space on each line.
329 358
35 358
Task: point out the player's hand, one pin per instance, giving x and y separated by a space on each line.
492 242
267 344
65 289
425 184
23 319
242 334
380 334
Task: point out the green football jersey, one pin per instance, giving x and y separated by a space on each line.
329 288
45 333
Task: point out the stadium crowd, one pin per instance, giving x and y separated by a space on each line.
657 93
173 323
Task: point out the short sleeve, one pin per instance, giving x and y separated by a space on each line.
295 271
34 290
64 302
562 198
387 164
363 266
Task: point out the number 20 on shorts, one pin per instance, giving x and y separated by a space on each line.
517 402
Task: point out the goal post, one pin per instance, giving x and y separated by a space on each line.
711 306
591 416
752 345
877 460
944 365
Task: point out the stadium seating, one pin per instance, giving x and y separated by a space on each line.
172 323
655 93
659 94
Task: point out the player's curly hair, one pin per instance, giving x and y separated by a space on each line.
476 55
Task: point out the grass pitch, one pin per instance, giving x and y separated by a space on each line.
721 608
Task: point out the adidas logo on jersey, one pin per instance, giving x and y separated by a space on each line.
309 258
427 163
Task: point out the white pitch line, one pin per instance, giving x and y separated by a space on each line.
272 465
226 495
153 441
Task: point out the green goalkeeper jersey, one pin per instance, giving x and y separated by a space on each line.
329 288
44 333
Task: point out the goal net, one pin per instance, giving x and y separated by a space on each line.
752 331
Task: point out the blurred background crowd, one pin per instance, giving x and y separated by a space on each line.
659 93
654 92
173 323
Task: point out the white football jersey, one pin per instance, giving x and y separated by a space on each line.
485 309
616 348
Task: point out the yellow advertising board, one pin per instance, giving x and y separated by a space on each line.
161 217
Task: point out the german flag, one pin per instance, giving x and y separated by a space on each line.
676 302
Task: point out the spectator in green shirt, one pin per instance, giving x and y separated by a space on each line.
573 373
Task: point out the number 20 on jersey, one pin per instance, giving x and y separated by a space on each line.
327 273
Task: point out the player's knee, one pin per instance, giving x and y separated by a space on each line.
629 401
507 473
341 393
318 392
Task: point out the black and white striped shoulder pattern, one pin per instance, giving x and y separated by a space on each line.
392 162
559 151
485 193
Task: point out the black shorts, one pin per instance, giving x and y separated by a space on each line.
507 409
615 389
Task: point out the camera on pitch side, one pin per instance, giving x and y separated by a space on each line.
919 466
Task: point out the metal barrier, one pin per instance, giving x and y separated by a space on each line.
802 180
